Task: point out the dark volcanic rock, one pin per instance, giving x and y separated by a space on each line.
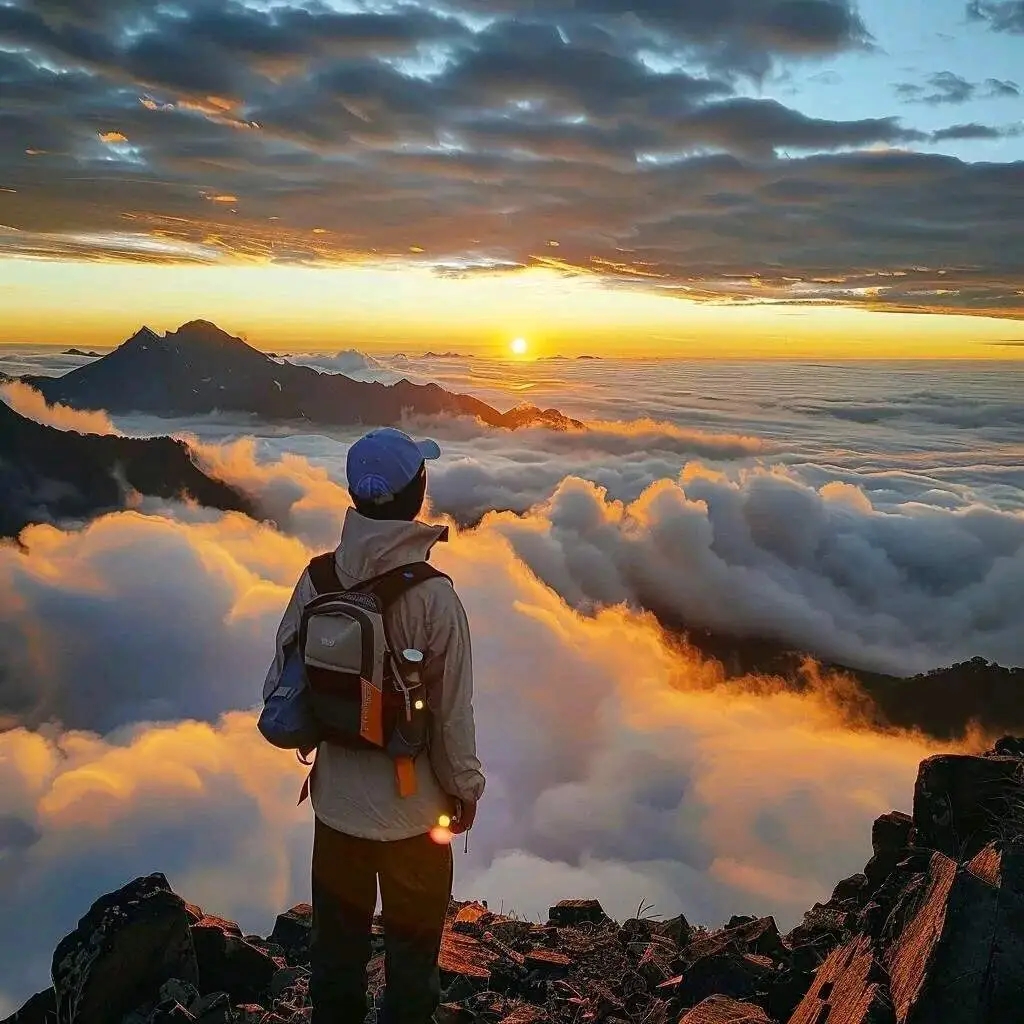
848 989
890 837
201 369
939 941
40 1009
571 913
48 474
227 963
723 1010
293 928
959 957
127 945
962 802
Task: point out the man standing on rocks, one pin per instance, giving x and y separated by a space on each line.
376 824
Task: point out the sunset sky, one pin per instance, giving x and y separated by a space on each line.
756 178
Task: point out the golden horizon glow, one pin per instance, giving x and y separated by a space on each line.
394 309
519 346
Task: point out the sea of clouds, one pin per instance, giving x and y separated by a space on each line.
619 765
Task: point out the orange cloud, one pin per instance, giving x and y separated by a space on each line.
30 403
112 137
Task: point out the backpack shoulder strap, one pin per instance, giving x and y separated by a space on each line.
390 586
323 574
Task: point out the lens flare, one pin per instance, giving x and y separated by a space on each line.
441 836
444 821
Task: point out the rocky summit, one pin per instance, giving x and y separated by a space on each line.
931 932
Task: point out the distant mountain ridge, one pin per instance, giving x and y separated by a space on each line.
200 369
48 474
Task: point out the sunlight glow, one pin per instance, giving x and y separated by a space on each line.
519 346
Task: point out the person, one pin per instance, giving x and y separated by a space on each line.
366 833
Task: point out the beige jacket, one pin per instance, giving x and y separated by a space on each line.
354 791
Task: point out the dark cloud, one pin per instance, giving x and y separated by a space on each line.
970 131
946 87
741 35
305 135
1001 15
998 87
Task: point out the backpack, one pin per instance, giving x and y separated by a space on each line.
342 681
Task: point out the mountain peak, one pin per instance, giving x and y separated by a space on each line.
203 329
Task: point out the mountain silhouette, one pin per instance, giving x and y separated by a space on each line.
200 369
48 474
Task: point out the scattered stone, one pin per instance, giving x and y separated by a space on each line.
127 945
931 933
676 929
720 973
286 978
292 929
961 802
183 992
1009 746
653 965
548 961
850 890
452 1013
572 913
227 963
723 1010
170 1012
467 920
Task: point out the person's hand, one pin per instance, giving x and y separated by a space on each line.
464 816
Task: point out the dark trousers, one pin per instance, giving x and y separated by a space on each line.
415 878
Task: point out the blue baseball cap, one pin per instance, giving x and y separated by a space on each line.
385 461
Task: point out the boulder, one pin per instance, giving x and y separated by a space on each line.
847 989
293 928
452 1013
129 943
653 965
549 962
955 949
176 990
731 974
40 1009
572 913
227 963
214 1008
852 890
962 802
1009 746
677 929
249 1013
723 1010
890 837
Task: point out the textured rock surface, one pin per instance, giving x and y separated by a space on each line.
127 945
939 939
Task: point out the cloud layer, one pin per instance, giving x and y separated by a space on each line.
667 786
477 134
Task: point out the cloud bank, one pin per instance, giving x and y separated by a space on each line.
667 785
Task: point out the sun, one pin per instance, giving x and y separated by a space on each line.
519 346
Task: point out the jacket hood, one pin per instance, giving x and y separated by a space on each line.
370 547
